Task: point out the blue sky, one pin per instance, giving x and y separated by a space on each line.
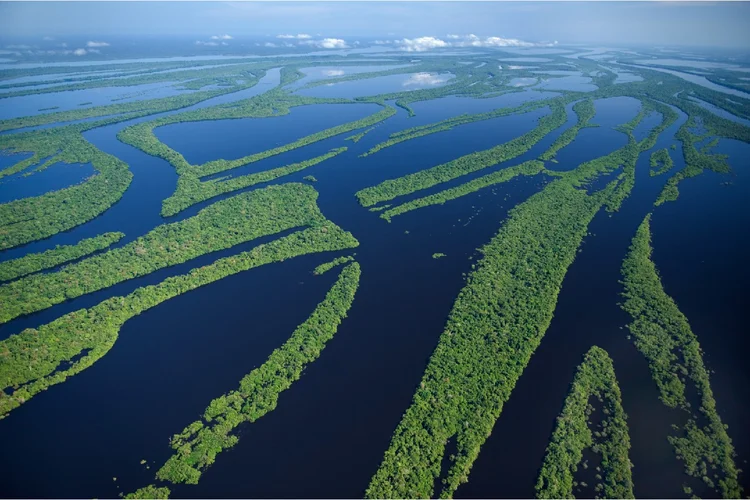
650 22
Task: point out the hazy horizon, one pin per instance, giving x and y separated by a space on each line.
707 24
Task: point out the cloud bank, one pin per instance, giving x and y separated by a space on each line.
299 36
91 44
327 43
222 37
424 43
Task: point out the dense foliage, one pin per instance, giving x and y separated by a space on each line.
38 358
585 112
327 266
660 162
424 179
191 190
595 378
531 167
496 323
663 335
34 262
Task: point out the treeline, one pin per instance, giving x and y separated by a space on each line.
531 167
448 124
327 266
32 263
197 446
219 226
663 335
595 378
191 190
38 358
427 178
660 162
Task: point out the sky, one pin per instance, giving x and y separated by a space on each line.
715 24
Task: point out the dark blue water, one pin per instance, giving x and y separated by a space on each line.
327 436
52 178
204 141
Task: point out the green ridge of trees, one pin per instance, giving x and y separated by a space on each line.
32 263
663 335
427 178
197 446
660 162
358 137
327 266
219 226
596 378
149 492
35 218
585 111
449 124
528 168
191 190
36 359
496 324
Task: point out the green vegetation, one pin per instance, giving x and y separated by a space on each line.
327 266
191 190
30 219
496 323
662 334
38 358
661 162
695 162
357 137
532 167
585 111
310 178
222 225
149 492
438 255
424 179
595 378
31 263
450 123
198 444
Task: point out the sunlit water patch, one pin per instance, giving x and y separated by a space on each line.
379 85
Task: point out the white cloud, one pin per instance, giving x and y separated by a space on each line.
63 45
18 47
421 44
269 44
429 42
206 44
327 43
221 37
422 79
79 52
334 72
97 44
299 36
47 38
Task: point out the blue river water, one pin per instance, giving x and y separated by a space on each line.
86 437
